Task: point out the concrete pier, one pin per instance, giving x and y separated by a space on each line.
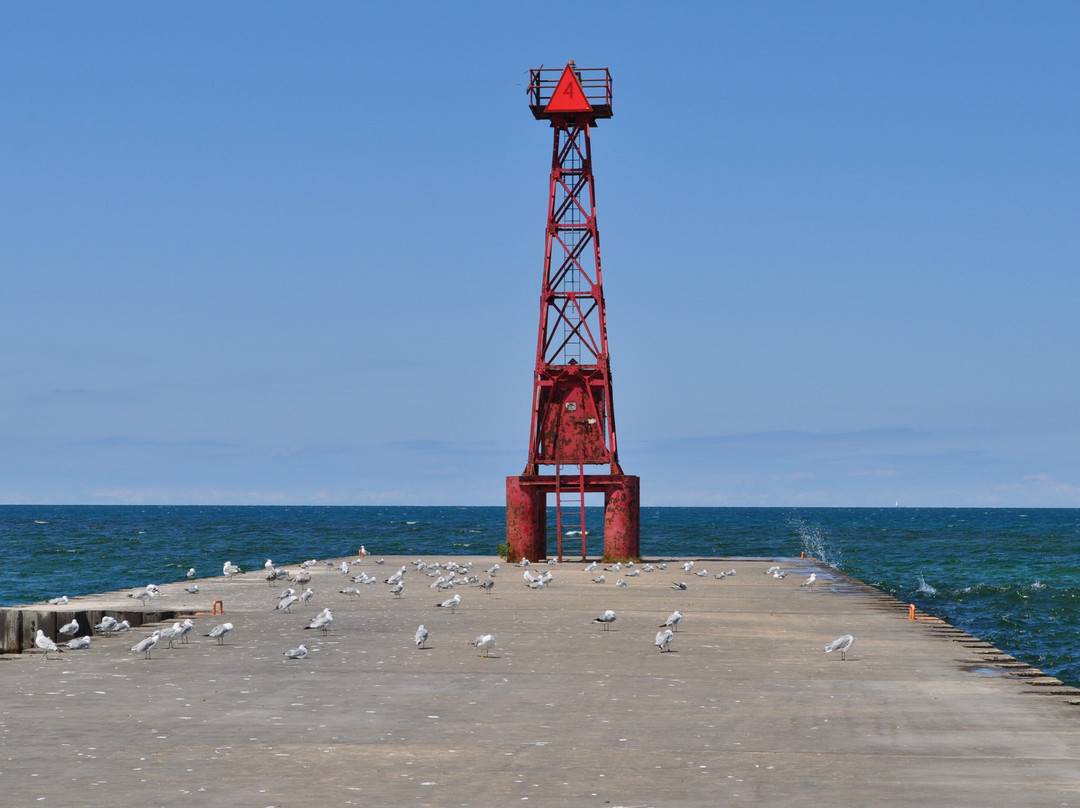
746 709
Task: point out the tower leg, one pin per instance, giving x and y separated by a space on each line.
526 521
622 520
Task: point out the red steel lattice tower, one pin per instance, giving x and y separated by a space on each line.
573 414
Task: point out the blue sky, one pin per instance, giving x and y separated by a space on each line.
265 253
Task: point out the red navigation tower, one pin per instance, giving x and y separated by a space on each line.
573 415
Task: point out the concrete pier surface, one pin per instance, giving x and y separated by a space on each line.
746 708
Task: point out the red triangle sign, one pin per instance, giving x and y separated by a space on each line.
568 95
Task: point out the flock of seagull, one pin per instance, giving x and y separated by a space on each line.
447 575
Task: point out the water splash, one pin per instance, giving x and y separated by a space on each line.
924 587
814 542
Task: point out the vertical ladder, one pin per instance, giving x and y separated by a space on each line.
570 509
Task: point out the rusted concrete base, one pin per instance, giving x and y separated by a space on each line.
526 514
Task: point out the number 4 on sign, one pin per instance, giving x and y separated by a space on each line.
568 95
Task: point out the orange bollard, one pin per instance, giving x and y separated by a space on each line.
911 611
219 607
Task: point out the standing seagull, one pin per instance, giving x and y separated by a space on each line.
170 633
672 621
186 628
44 643
663 640
229 569
809 582
146 645
484 643
70 628
219 631
450 604
286 603
107 625
842 644
607 618
421 636
322 621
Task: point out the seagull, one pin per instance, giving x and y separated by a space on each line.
607 618
322 621
363 551
842 644
269 565
344 567
689 565
484 643
306 595
186 628
678 584
772 569
397 589
397 576
70 628
276 574
144 595
229 569
191 573
524 562
193 589
809 582
79 642
663 640
621 582
672 621
146 645
487 585
44 643
285 604
451 604
632 573
349 591
493 569
591 567
123 625
599 579
297 653
301 577
287 593
219 631
107 625
171 633
60 601
530 578
421 636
